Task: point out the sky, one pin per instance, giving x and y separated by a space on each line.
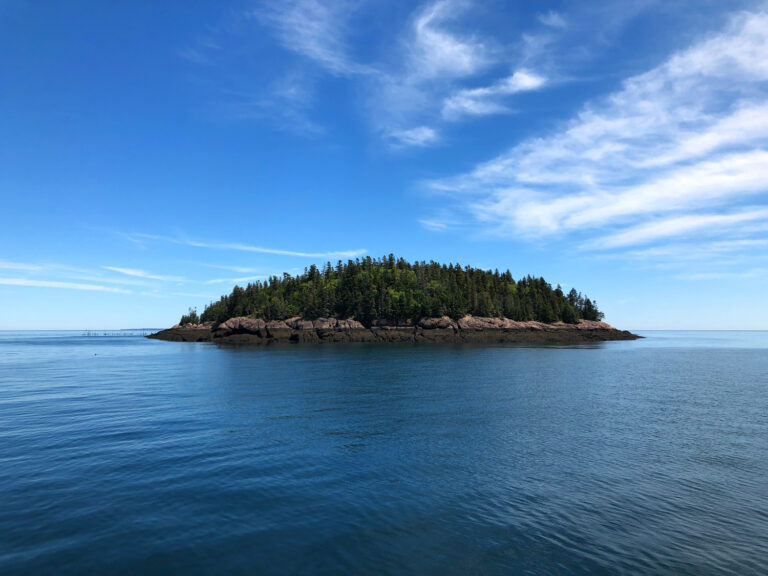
155 154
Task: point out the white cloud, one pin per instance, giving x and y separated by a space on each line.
431 60
488 100
5 264
236 246
744 274
521 81
65 285
690 187
194 295
421 136
98 277
687 136
143 274
240 269
247 248
739 251
552 19
748 123
677 226
284 96
435 52
316 30
285 103
69 273
435 55
234 280
433 224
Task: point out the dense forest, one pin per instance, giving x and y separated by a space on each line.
395 291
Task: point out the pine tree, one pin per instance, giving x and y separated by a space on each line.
394 290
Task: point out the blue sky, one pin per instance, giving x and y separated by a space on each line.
155 154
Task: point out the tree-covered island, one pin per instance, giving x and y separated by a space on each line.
393 291
391 300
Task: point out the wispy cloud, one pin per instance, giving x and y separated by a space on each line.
433 224
235 280
419 136
96 276
674 227
56 284
434 52
194 295
316 30
430 60
687 139
286 103
68 273
727 275
552 19
699 250
240 269
565 43
239 247
689 187
143 274
261 250
489 99
5 264
433 57
222 61
408 64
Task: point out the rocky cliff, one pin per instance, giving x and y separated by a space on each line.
245 330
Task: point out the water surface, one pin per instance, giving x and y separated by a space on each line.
126 455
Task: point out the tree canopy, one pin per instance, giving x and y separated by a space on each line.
190 317
392 290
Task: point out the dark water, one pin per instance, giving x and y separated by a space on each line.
125 455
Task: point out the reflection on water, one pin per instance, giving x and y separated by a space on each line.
126 455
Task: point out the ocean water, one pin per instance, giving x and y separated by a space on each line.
122 455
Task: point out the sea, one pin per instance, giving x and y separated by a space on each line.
123 455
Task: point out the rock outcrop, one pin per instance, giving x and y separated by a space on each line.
246 330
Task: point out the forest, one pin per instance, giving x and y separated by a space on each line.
394 291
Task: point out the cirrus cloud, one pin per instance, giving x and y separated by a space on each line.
676 150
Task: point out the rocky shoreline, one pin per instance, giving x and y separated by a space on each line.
471 329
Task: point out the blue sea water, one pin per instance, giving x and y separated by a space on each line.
122 455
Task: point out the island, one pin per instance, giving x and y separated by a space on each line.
391 300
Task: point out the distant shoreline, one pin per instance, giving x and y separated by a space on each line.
470 329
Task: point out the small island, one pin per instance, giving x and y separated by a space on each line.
392 300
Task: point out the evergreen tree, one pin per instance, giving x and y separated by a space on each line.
190 317
394 290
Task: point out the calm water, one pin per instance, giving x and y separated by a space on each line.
125 455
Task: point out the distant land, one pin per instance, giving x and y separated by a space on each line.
392 300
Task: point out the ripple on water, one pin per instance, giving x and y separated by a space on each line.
156 457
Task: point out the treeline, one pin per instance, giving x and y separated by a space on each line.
395 291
